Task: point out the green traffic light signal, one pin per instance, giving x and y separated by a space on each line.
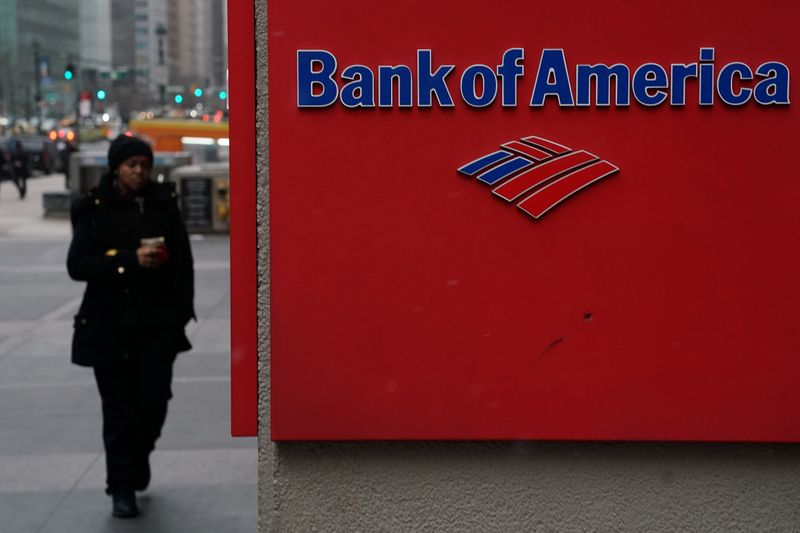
101 94
69 71
223 95
67 75
178 98
198 92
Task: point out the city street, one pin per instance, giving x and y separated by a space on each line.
51 454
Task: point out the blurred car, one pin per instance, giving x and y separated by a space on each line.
62 134
42 152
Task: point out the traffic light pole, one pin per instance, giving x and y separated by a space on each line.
76 89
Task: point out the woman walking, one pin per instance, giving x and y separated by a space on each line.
131 247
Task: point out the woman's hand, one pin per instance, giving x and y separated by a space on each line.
149 256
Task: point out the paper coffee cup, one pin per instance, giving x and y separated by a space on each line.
157 242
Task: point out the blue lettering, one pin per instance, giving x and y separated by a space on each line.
386 75
706 76
315 85
509 70
319 83
602 75
432 83
359 91
552 64
725 84
680 73
775 88
469 89
648 77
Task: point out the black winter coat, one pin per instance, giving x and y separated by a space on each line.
124 301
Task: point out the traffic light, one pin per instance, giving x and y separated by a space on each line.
223 95
198 92
101 94
178 98
69 71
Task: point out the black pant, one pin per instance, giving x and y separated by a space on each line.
135 392
21 177
22 185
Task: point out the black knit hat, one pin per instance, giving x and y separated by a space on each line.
124 147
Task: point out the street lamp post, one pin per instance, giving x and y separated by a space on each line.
37 77
161 32
75 85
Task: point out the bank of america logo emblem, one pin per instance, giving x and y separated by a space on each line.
537 173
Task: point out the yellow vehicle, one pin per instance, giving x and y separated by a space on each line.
169 135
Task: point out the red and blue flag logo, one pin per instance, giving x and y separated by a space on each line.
537 173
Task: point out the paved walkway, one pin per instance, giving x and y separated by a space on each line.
23 218
51 458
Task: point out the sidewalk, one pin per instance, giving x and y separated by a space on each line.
51 455
23 218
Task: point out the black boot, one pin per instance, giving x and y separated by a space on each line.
124 504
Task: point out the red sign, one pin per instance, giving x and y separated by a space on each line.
529 222
244 384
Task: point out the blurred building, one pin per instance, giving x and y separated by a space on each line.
38 39
197 44
139 47
140 53
95 66
95 35
219 43
185 41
